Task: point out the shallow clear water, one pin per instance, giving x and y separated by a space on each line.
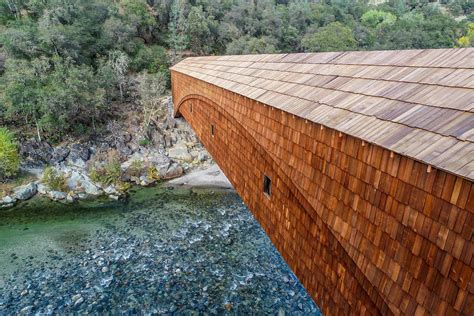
161 251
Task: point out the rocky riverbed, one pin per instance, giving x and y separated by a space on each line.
161 251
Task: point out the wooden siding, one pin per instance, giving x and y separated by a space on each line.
366 230
418 103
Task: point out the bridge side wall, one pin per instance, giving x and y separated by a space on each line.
365 230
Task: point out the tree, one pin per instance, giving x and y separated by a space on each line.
378 19
118 61
151 58
20 40
54 95
468 39
151 88
139 15
67 60
178 40
413 30
198 31
252 45
23 89
9 158
119 35
333 37
289 39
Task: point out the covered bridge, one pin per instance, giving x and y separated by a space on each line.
358 165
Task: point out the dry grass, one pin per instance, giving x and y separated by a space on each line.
23 178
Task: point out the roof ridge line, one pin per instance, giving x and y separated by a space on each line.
347 64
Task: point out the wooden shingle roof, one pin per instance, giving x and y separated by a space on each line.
418 103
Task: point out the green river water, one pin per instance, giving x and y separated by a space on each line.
161 251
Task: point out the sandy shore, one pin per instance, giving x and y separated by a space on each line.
212 177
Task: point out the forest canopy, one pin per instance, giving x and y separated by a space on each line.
63 62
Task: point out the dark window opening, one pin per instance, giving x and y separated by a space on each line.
267 185
212 130
191 108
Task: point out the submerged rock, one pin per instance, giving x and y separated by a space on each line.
164 251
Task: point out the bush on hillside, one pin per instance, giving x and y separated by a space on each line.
9 158
54 179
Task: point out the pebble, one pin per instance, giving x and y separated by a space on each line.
75 297
79 301
105 269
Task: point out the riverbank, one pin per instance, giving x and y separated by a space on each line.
211 177
109 164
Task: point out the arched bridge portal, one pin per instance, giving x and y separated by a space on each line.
356 199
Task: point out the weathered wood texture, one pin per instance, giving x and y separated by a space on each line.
366 230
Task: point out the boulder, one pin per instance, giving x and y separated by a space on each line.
35 153
25 192
74 180
123 149
42 189
79 155
180 152
79 181
174 171
168 141
57 195
202 156
59 154
145 181
160 161
111 190
157 138
71 197
7 201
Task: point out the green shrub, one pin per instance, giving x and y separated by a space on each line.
108 174
136 168
144 142
54 179
9 158
113 172
150 58
152 173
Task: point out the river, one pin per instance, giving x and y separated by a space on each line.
162 251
